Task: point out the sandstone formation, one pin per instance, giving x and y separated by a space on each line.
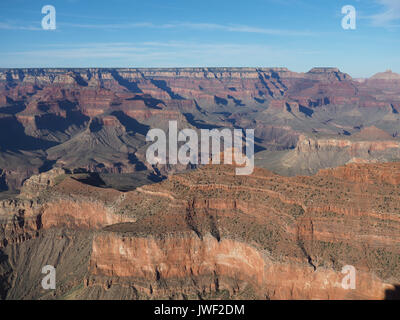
206 234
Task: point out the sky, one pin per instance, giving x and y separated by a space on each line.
297 34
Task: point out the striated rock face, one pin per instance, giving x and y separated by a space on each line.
97 119
216 266
208 234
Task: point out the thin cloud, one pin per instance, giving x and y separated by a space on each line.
179 25
109 26
157 54
246 29
143 49
15 26
390 14
195 26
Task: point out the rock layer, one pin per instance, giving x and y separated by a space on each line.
210 234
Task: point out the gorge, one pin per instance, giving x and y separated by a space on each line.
78 193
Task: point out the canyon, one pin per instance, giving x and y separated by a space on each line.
77 193
97 119
206 234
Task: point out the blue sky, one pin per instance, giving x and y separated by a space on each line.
298 34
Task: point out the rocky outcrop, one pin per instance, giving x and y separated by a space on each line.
211 234
36 184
